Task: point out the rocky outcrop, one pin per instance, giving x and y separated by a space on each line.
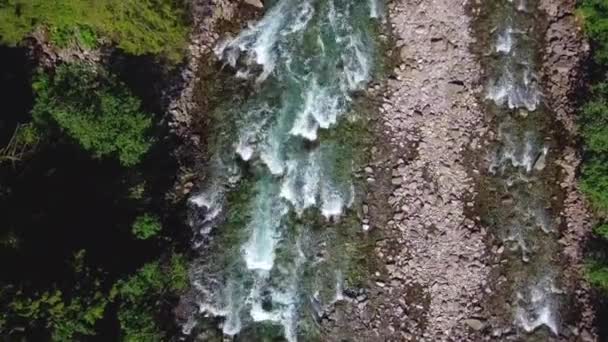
565 52
48 55
206 16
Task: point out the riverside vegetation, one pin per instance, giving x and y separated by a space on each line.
594 123
88 236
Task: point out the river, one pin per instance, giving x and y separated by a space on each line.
271 218
522 200
276 220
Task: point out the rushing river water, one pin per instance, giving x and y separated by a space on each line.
520 187
280 182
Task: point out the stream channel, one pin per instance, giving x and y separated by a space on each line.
272 219
521 200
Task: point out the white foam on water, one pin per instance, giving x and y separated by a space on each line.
210 200
515 90
266 219
271 153
244 149
258 42
305 13
320 110
537 307
357 64
374 9
300 186
232 311
339 287
504 42
264 284
332 203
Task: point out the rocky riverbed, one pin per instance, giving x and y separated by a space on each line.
433 254
440 266
437 261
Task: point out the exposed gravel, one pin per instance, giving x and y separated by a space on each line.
434 256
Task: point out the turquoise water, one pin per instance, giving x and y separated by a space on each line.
280 184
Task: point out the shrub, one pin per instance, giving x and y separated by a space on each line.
140 295
597 274
95 109
66 319
146 226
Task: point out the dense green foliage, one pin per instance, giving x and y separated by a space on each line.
95 109
140 294
139 298
594 123
85 137
597 274
136 26
595 15
146 226
66 316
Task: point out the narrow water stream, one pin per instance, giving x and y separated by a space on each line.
272 216
522 198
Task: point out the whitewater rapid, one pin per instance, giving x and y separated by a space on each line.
519 168
305 60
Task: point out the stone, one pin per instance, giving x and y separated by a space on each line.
474 324
255 3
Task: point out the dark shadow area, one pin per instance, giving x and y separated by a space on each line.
16 70
145 76
63 201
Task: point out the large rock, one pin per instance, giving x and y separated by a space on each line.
255 3
474 324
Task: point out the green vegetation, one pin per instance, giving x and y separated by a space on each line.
95 109
595 16
597 274
146 226
77 133
140 299
136 26
65 316
594 123
23 142
140 294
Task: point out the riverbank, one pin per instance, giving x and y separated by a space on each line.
566 51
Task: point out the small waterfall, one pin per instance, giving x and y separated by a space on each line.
518 168
306 58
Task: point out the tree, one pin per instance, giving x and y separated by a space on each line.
146 226
95 109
